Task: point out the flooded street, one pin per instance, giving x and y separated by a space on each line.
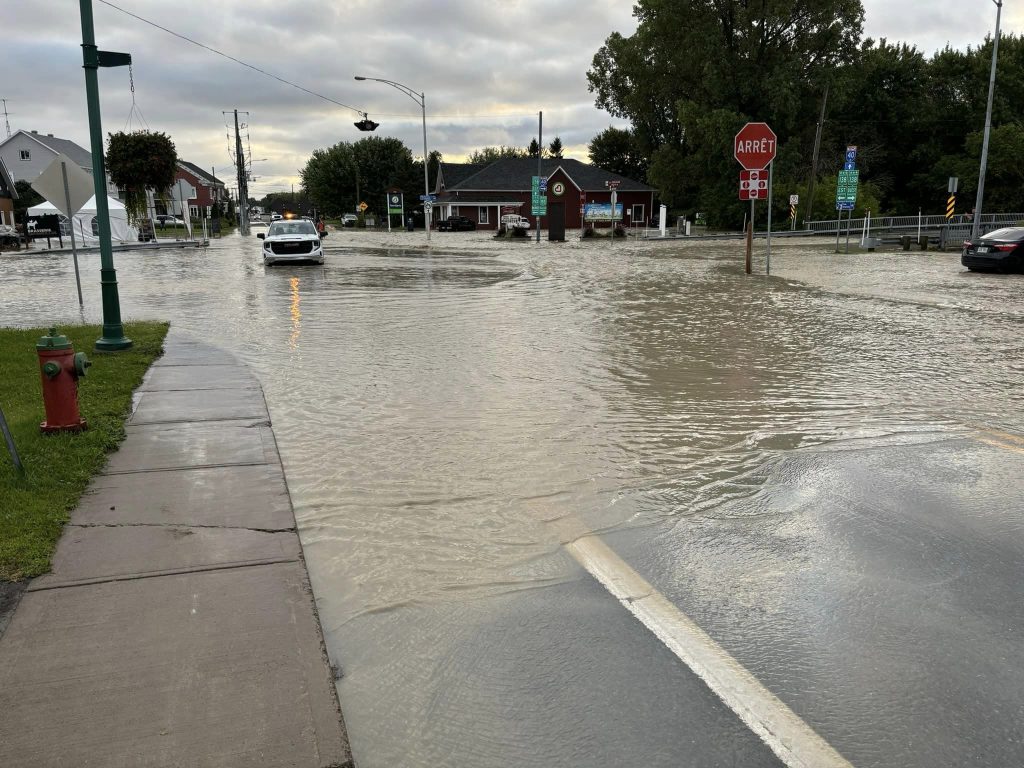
822 469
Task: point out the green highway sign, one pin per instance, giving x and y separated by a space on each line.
538 197
846 189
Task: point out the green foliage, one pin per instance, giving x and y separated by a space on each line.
139 161
334 177
27 198
555 147
619 151
687 88
489 155
534 149
34 507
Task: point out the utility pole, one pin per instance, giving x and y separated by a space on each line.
814 160
113 338
7 123
243 186
976 227
540 158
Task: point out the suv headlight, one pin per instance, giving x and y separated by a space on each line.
316 244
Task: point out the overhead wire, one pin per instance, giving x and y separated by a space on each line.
357 110
232 58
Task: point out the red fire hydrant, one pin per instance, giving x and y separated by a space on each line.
60 368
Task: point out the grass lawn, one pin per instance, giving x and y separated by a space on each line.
34 507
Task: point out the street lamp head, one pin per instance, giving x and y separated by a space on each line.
359 78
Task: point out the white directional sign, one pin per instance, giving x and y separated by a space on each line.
50 184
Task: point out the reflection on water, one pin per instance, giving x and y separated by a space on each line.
296 313
453 406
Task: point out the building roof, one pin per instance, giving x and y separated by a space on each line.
472 197
515 174
79 156
455 173
199 173
7 187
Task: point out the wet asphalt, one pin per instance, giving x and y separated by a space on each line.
822 469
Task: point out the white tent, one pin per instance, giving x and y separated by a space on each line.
85 231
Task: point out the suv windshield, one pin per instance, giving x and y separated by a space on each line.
291 228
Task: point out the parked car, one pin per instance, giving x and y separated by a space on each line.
292 241
349 220
166 220
276 216
999 251
456 224
515 221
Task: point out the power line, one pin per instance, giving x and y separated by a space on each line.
232 58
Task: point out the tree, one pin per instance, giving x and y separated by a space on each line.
27 198
618 150
140 161
534 149
687 88
489 155
332 177
555 148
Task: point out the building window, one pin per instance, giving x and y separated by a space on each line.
638 213
25 154
483 215
193 211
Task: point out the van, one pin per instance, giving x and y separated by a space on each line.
515 221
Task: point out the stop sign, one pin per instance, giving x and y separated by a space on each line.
755 146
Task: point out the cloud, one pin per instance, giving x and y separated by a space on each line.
486 68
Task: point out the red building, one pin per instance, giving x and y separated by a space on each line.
483 194
209 190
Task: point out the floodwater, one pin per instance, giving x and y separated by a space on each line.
818 467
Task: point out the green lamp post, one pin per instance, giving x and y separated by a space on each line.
113 331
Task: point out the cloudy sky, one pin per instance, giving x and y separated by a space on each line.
486 67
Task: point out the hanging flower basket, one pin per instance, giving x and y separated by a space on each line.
139 161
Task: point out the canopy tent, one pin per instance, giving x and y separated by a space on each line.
86 231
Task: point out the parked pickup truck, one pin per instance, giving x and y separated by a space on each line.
456 224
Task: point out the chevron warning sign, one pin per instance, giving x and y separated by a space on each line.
950 207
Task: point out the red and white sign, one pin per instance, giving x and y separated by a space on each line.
755 146
753 185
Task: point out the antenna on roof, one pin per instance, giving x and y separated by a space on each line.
7 123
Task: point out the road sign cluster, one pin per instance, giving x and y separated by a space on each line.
848 182
539 198
755 147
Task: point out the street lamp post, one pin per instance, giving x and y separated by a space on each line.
976 228
92 59
421 99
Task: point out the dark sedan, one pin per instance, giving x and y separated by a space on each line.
999 251
456 224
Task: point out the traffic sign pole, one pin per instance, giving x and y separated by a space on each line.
768 258
750 237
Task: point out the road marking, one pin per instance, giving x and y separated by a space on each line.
793 741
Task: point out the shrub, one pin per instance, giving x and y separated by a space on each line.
518 232
139 161
619 231
588 232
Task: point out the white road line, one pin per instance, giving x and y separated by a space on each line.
790 738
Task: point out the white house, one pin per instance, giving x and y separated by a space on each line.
28 153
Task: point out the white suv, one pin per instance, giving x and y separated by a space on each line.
292 240
515 221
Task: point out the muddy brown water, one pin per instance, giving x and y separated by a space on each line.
439 414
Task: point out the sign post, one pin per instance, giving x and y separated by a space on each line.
846 193
954 187
755 147
794 201
72 187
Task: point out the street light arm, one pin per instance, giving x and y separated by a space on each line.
417 97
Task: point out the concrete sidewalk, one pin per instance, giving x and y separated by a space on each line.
177 627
